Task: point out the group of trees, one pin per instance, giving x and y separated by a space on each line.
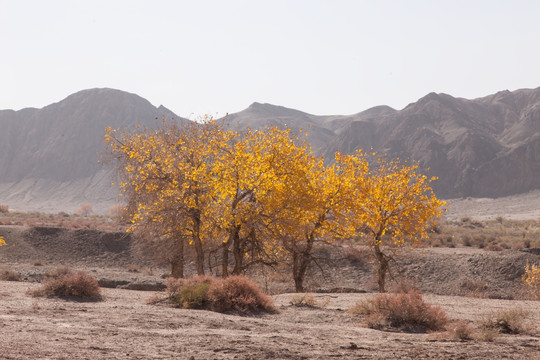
260 197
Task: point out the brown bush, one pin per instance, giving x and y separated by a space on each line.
4 209
404 311
493 247
234 294
9 275
240 295
460 330
507 322
191 293
85 210
78 285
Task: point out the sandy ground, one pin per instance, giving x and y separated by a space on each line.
517 207
124 327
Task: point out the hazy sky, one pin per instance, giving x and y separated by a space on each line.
321 57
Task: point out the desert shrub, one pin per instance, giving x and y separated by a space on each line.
460 330
473 288
4 209
78 285
9 275
85 210
466 240
532 280
234 294
189 293
240 295
479 241
404 311
303 300
507 322
493 247
116 211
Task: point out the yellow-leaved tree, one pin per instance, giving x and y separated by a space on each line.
394 206
165 176
2 241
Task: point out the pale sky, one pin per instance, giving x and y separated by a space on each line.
212 57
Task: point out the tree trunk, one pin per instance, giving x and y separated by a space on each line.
238 252
177 262
225 260
177 268
383 266
298 275
198 244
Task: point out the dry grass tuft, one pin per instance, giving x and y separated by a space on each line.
307 300
513 321
10 275
403 311
460 330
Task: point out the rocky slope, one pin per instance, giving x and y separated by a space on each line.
486 147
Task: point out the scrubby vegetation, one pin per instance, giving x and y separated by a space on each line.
403 311
68 284
235 294
10 275
513 321
532 280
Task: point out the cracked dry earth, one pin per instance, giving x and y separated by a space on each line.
123 326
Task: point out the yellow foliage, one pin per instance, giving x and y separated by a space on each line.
2 241
263 194
532 279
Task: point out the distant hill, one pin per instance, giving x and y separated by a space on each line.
50 157
486 147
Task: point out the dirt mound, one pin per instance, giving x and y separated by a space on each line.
62 245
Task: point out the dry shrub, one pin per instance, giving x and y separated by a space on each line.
239 295
9 275
507 322
191 293
473 288
306 300
234 294
460 330
493 247
4 209
116 211
77 285
486 334
404 311
154 299
85 210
